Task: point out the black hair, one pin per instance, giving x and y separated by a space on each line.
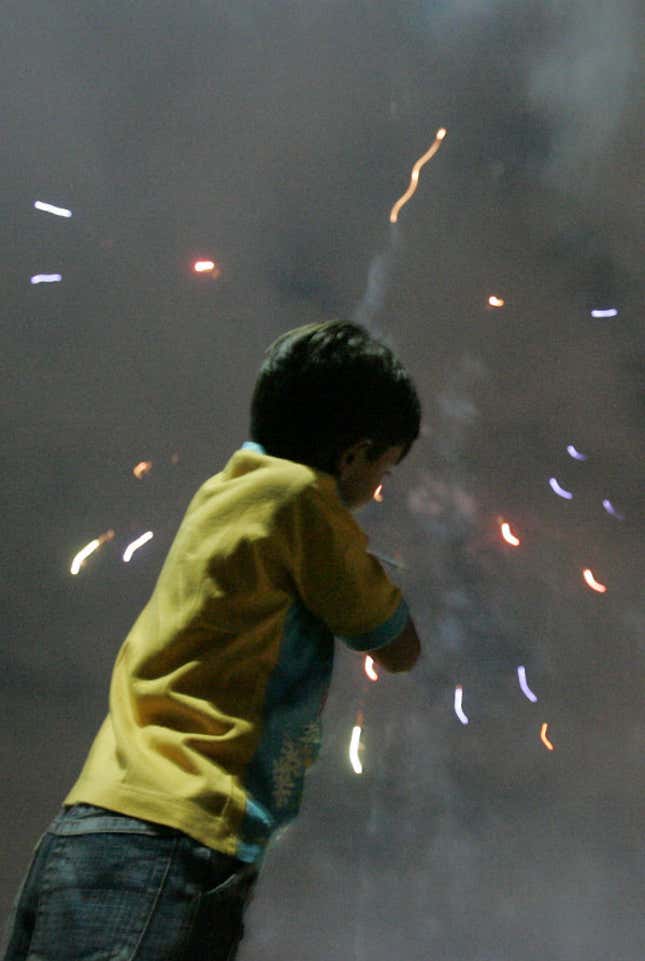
325 386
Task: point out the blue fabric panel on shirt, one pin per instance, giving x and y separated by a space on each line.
257 824
251 445
291 728
382 635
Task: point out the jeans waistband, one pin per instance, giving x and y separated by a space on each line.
89 819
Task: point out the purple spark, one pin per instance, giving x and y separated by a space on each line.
609 507
521 675
575 453
560 491
46 278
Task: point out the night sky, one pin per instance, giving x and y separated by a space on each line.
274 138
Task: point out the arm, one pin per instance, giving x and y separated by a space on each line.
402 653
344 585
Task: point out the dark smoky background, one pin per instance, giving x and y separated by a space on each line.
274 138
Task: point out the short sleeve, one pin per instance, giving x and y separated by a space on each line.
337 579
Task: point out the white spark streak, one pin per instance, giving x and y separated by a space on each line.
459 711
353 750
51 209
135 545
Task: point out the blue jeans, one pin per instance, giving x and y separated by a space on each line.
105 887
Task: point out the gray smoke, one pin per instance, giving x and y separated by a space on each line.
274 137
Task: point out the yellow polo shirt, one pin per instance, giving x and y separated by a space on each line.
217 690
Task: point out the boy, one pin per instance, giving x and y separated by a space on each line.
217 690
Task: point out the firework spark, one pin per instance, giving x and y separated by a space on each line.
142 468
135 545
46 279
51 209
560 491
206 267
369 668
81 557
459 711
609 507
508 535
575 453
591 581
547 743
414 177
354 746
526 690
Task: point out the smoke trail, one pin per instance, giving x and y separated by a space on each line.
379 274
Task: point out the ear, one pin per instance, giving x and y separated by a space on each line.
349 456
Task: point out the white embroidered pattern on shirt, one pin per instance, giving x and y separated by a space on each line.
296 754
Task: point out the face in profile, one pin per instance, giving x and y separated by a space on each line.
358 477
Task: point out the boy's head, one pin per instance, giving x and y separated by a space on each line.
331 396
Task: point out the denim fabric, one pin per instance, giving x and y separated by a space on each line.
105 887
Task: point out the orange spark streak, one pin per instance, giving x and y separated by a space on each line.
142 468
508 536
369 668
592 582
414 177
544 738
378 493
495 301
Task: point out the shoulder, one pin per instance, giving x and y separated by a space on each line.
298 493
285 479
282 488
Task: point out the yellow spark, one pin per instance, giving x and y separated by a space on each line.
378 494
83 554
544 738
495 301
414 177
